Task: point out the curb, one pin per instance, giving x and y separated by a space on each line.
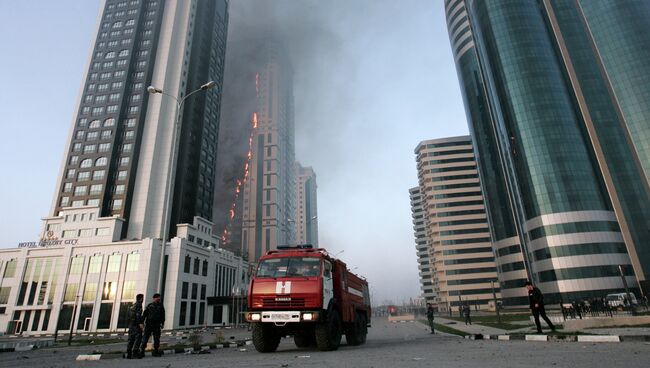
205 349
562 338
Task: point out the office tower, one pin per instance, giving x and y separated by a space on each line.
462 263
118 152
554 94
421 245
269 199
306 217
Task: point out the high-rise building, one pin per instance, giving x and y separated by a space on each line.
460 251
118 152
306 218
269 193
421 245
555 93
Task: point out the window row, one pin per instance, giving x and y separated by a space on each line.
110 122
93 136
105 86
96 175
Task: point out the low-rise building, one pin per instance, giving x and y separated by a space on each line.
79 276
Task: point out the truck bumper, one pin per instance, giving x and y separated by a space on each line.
282 317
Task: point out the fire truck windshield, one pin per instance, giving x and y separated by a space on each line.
289 267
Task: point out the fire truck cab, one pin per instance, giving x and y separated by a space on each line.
306 293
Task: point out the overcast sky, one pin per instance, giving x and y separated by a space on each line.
372 79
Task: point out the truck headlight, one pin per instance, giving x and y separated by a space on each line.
255 316
309 316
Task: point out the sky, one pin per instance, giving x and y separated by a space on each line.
372 78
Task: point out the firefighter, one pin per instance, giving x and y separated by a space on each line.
430 316
154 319
135 328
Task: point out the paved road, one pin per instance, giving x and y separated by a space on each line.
389 345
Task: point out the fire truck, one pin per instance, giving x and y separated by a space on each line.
304 292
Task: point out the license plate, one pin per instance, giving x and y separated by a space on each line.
280 316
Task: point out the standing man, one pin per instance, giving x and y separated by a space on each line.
430 316
536 299
135 329
154 319
466 313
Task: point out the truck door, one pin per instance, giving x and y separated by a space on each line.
328 284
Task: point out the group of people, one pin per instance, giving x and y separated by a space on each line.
145 322
535 298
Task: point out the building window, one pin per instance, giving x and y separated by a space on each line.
90 292
90 148
93 202
70 294
111 122
103 231
196 266
204 270
96 189
195 291
86 163
76 264
110 55
120 74
117 85
76 147
128 291
111 109
133 109
129 134
95 124
133 262
104 147
124 161
100 99
65 201
124 53
67 187
106 75
99 174
122 62
95 264
130 122
122 174
98 111
81 190
77 203
187 264
119 189
102 161
127 147
114 261
83 122
109 290
117 204
106 134
117 24
203 292
184 290
102 87
80 134
83 176
183 314
114 97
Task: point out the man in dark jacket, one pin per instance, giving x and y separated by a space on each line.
154 319
536 299
430 316
135 328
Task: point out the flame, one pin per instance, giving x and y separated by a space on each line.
241 182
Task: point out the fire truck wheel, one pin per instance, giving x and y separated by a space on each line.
328 333
363 330
355 334
265 338
304 339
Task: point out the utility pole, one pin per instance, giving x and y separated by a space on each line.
496 305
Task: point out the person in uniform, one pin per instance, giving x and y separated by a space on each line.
135 328
154 319
430 317
536 299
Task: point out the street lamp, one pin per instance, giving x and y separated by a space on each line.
172 158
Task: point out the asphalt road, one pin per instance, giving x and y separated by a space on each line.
389 345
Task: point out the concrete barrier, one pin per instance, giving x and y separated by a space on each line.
598 338
596 322
408 317
536 338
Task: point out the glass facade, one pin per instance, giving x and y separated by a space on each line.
555 92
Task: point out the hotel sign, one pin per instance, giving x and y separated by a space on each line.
49 241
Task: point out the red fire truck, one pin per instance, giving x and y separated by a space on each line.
306 293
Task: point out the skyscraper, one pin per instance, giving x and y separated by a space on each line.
461 259
306 217
421 245
119 148
269 194
556 99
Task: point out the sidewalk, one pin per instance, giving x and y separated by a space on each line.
470 329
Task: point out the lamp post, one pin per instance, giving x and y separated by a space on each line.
172 159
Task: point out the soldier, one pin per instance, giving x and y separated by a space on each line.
466 313
536 299
135 328
154 319
430 316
